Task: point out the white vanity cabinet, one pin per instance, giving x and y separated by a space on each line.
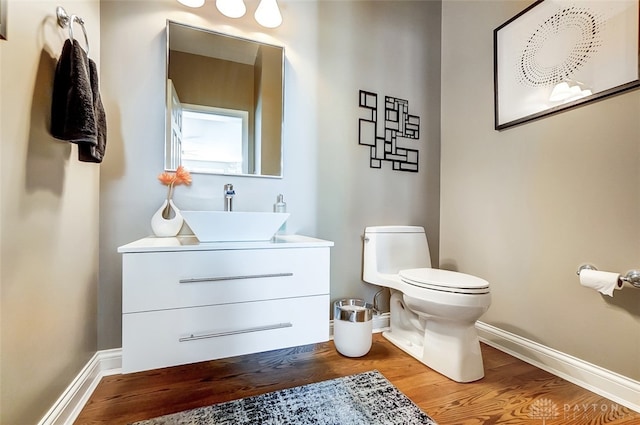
185 302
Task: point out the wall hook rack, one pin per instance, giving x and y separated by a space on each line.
65 20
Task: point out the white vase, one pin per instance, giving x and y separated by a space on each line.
165 227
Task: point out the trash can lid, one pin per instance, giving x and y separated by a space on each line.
353 310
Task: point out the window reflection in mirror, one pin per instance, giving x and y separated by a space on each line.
215 140
224 103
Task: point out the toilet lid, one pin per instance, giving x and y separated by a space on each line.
445 280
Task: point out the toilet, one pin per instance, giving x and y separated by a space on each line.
433 311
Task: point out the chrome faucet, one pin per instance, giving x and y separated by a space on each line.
228 197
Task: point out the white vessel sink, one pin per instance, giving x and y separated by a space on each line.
236 226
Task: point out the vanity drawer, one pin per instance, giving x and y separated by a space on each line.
171 337
163 280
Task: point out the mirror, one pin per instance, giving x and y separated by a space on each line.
224 103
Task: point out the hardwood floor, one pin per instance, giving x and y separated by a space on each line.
512 392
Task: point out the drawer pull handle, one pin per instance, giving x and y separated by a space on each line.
217 279
193 337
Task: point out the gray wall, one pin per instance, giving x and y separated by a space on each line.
49 222
524 207
333 49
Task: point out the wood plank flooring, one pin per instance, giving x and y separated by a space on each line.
512 392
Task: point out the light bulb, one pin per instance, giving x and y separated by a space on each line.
192 3
231 8
268 14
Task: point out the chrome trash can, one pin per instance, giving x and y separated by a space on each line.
352 327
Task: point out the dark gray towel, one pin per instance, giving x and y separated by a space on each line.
89 152
77 114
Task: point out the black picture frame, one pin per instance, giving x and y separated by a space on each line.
556 55
3 19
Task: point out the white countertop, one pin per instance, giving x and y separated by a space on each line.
191 243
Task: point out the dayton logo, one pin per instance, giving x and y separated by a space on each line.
543 409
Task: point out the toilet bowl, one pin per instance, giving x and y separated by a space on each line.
433 311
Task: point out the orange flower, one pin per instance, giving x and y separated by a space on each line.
182 176
167 179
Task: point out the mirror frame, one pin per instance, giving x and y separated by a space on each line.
167 138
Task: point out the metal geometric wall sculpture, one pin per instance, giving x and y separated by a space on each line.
397 124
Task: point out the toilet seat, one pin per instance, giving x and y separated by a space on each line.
444 280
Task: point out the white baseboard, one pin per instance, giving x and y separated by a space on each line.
67 408
606 383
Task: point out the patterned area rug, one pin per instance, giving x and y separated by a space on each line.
366 398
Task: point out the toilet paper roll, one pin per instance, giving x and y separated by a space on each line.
603 282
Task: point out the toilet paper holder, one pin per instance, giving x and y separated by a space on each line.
632 276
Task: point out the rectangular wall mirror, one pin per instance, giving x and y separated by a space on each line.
224 106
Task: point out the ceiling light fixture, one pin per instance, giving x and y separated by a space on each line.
268 14
231 8
192 3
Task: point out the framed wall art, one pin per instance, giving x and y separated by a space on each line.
557 54
3 19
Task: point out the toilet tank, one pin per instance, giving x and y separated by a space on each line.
389 249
